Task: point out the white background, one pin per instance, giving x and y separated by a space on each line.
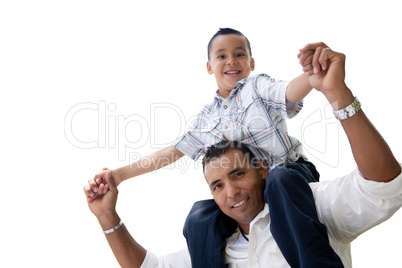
128 55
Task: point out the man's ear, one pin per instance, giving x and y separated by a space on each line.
262 168
209 68
252 64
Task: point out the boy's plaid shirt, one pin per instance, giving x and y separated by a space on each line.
253 114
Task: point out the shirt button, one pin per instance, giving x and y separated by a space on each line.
226 127
225 107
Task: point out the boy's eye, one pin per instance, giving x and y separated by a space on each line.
221 57
240 55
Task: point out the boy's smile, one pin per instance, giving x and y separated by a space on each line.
230 61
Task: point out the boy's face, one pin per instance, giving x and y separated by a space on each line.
230 61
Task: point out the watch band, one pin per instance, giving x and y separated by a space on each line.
348 111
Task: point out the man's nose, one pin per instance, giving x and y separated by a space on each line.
232 190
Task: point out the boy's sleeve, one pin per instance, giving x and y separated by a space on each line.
191 145
273 93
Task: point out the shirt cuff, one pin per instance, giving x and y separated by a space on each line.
384 190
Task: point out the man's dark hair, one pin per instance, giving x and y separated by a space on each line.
217 150
224 31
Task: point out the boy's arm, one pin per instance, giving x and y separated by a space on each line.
298 88
100 183
152 162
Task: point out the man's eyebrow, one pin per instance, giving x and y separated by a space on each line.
211 185
234 171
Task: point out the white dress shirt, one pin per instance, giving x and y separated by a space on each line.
348 206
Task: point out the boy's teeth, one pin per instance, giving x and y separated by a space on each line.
233 72
239 204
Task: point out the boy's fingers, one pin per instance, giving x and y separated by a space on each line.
306 57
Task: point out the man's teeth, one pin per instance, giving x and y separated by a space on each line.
239 204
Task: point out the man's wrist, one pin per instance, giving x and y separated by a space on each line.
109 221
340 98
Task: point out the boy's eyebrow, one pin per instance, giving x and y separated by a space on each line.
224 49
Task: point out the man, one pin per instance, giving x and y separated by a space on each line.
348 206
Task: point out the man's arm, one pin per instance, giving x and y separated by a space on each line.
326 70
126 250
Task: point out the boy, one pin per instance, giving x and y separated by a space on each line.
250 110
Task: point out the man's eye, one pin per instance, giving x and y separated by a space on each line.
239 174
217 187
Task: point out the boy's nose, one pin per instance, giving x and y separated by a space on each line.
231 61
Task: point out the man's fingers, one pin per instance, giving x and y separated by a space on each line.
89 193
93 185
313 46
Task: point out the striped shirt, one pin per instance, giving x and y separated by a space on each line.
253 114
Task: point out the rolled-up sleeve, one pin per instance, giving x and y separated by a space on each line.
274 93
351 205
178 259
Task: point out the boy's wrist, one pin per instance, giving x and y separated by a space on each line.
117 179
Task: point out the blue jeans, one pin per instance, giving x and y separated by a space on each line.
302 239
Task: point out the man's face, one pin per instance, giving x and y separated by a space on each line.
237 186
230 61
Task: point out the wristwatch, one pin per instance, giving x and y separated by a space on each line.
348 111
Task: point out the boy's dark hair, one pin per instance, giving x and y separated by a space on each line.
224 31
217 150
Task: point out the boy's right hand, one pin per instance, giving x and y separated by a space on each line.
99 185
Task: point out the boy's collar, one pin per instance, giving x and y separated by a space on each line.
239 86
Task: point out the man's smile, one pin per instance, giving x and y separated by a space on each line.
241 203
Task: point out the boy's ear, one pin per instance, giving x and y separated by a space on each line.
209 68
252 64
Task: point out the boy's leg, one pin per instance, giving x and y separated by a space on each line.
299 234
205 229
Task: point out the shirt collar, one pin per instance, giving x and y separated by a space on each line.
260 215
239 86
